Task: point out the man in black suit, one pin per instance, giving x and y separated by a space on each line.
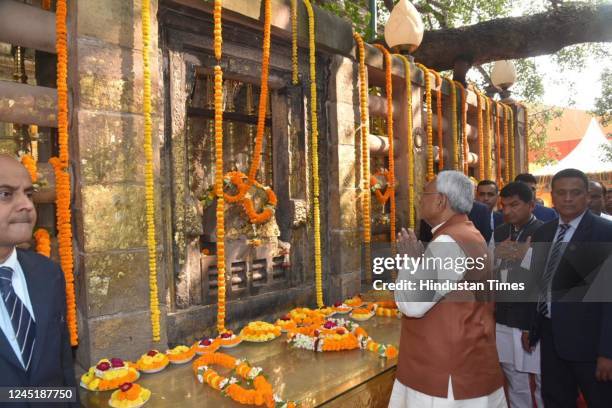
34 346
513 313
570 254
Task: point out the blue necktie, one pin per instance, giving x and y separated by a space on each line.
553 262
23 324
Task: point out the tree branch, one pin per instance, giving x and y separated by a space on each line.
517 37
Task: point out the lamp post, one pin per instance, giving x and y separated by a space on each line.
404 29
503 76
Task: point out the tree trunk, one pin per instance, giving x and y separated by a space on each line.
517 37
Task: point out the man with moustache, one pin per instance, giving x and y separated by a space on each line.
571 256
34 343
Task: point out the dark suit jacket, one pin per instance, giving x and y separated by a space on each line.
52 363
544 213
480 217
498 218
582 331
519 313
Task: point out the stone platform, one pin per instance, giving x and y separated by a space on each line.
353 378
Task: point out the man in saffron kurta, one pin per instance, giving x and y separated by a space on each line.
447 352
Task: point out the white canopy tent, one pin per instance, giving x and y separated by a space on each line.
588 156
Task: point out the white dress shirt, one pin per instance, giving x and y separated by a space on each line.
443 246
21 290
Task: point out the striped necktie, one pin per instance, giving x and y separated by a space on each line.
551 267
23 324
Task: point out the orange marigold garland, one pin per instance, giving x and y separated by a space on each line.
365 156
30 164
244 197
487 161
506 144
64 235
149 179
220 201
430 161
262 393
376 187
512 138
453 91
526 135
466 146
218 38
263 94
391 186
439 114
314 123
498 172
60 165
43 242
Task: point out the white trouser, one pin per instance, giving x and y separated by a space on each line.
519 389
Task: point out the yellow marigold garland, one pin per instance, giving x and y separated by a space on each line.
439 114
60 165
430 164
294 43
43 242
30 164
453 91
526 130
64 236
315 154
481 137
389 92
488 143
263 95
466 146
365 156
218 38
506 144
149 187
498 172
410 142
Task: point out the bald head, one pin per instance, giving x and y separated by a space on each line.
17 213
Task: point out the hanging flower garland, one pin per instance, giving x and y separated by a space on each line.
410 141
498 173
149 186
481 137
262 393
439 114
512 136
430 165
60 165
466 146
263 95
294 43
239 181
30 164
43 242
391 186
314 124
220 210
64 236
453 91
488 139
376 186
365 156
526 131
506 144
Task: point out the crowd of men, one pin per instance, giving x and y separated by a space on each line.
547 346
